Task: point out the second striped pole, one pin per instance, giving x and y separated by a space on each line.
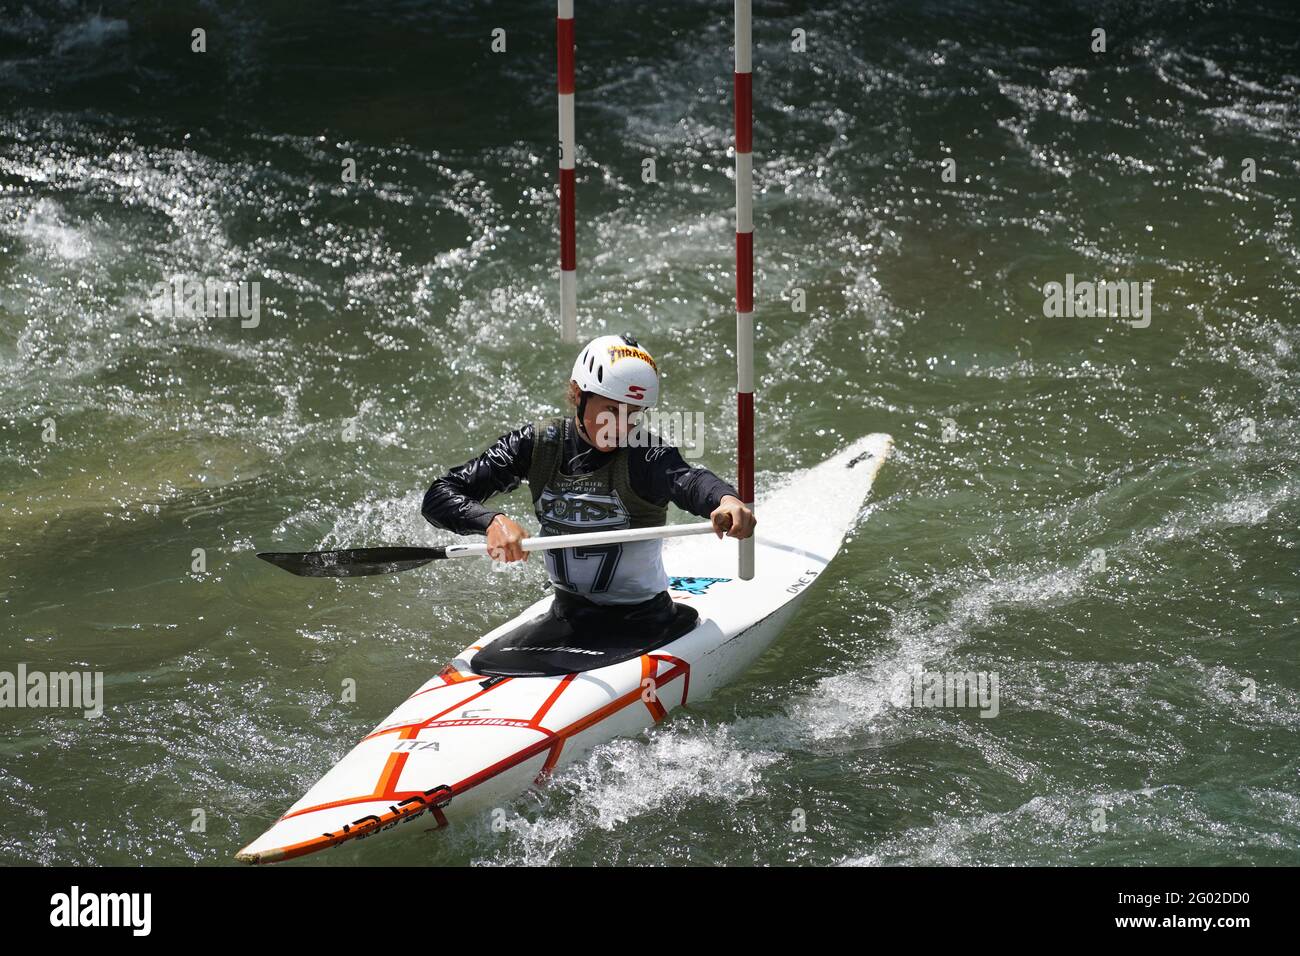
744 97
564 58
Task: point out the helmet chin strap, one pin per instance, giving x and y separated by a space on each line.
582 415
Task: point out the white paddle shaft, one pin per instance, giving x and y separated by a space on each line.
549 542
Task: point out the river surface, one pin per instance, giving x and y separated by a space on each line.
1100 512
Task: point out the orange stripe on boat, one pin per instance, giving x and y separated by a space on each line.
555 695
425 723
392 770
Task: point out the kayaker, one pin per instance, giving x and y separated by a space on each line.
594 471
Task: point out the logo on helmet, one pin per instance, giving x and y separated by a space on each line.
617 352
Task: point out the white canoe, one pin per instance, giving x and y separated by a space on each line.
464 744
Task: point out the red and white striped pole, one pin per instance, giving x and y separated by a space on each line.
744 275
568 231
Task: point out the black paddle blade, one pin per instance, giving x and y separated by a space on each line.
353 562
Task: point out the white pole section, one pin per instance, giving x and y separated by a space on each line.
744 98
568 246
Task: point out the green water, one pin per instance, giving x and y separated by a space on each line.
1162 688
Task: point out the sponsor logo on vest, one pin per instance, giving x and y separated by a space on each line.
584 510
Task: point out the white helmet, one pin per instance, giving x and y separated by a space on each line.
616 367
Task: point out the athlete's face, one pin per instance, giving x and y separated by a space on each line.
608 422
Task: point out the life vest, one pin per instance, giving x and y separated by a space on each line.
602 500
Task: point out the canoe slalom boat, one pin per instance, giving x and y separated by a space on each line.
479 733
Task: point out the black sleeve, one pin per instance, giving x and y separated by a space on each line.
659 473
453 501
